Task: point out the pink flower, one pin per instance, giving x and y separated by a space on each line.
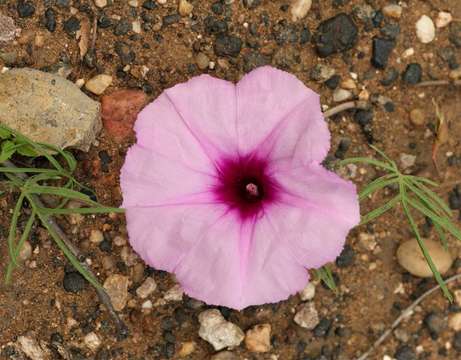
224 188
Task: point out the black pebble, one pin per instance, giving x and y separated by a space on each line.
322 328
124 52
389 106
50 19
171 19
71 25
390 76
169 350
122 28
304 36
390 31
227 45
63 3
454 199
377 18
25 8
457 341
412 74
333 82
435 323
73 282
149 5
363 117
214 26
217 8
336 34
346 258
382 49
105 246
104 21
343 146
405 353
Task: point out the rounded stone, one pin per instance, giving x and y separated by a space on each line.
425 29
258 338
98 84
411 258
417 117
74 282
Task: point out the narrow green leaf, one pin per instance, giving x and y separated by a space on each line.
377 184
369 161
423 248
91 210
13 227
4 133
7 150
325 275
441 234
381 210
433 196
383 154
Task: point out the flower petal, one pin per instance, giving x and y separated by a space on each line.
151 179
316 213
207 106
163 235
278 115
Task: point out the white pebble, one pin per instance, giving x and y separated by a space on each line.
425 29
300 8
98 84
308 292
219 332
174 294
31 348
96 236
147 287
340 95
455 322
92 341
136 26
393 11
100 3
443 19
307 316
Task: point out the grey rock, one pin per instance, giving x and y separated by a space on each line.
48 108
8 30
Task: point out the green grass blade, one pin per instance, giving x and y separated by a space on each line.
26 170
377 184
91 210
66 193
426 200
383 154
422 180
25 234
442 204
423 248
13 227
441 234
325 275
442 221
381 210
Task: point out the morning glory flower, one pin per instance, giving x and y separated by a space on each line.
225 188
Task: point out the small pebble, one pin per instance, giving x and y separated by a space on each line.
25 9
202 61
307 316
308 292
185 8
417 117
100 3
117 289
412 74
258 338
31 348
300 8
98 84
455 322
322 73
26 251
405 353
393 11
147 287
382 49
443 19
217 331
425 29
340 95
411 258
73 282
96 236
186 349
174 294
71 25
435 323
225 355
407 160
92 341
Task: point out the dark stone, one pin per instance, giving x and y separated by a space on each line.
50 20
217 8
382 49
333 82
390 76
105 246
457 341
104 21
71 25
215 26
227 45
124 52
454 199
254 59
377 18
169 337
322 328
435 323
285 33
389 106
169 350
171 19
405 353
304 36
363 117
122 27
63 3
343 146
56 338
73 282
455 33
335 35
390 30
149 5
346 258
412 74
25 9
167 323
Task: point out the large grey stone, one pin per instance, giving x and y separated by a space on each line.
48 108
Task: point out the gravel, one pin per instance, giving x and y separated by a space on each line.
73 282
412 74
25 9
227 45
219 332
382 49
335 35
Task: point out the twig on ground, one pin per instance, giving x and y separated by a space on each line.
122 330
405 314
439 83
346 106
95 34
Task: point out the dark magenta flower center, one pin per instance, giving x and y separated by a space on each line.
245 185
